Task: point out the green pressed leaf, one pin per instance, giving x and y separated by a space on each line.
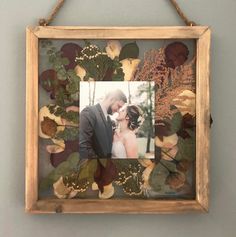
61 74
171 166
158 177
73 75
130 50
63 169
103 162
176 122
72 87
71 116
186 149
60 97
49 52
88 170
65 61
119 75
68 134
75 96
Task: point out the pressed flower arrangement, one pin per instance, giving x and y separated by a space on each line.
176 61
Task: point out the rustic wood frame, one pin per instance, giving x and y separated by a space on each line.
202 35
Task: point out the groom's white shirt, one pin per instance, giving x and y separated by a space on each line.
104 110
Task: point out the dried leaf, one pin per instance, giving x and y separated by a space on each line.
70 51
183 165
63 169
129 50
129 67
49 127
54 148
108 192
168 142
175 180
104 175
176 54
48 80
70 147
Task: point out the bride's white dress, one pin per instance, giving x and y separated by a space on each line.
118 150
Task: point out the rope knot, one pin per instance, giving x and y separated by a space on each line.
43 22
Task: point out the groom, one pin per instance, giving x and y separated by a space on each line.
96 136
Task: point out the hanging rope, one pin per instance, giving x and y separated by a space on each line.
44 21
47 21
181 14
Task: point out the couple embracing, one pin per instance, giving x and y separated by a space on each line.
100 137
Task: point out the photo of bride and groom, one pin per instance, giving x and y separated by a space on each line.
110 127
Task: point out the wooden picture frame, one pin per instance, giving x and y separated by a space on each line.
201 202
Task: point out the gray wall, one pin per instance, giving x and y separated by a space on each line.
15 16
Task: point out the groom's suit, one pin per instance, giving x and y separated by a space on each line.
95 133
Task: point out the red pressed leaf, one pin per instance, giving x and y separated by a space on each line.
105 175
47 80
70 147
162 129
108 74
176 54
70 51
188 122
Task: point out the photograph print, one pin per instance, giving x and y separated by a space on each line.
116 120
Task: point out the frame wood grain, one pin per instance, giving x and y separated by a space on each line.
202 35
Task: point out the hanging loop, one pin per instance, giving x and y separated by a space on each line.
181 14
44 21
47 21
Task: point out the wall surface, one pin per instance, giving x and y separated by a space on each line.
15 16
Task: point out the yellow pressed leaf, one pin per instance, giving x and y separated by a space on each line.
108 192
80 72
129 67
168 142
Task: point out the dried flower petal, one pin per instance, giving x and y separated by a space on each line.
94 186
113 48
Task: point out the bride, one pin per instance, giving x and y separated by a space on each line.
124 139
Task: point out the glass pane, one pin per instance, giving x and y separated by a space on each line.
117 119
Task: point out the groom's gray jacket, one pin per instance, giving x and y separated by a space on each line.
95 139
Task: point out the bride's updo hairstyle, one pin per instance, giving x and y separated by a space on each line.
134 114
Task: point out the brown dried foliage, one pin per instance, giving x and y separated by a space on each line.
169 82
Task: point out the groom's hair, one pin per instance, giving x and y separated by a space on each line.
118 95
